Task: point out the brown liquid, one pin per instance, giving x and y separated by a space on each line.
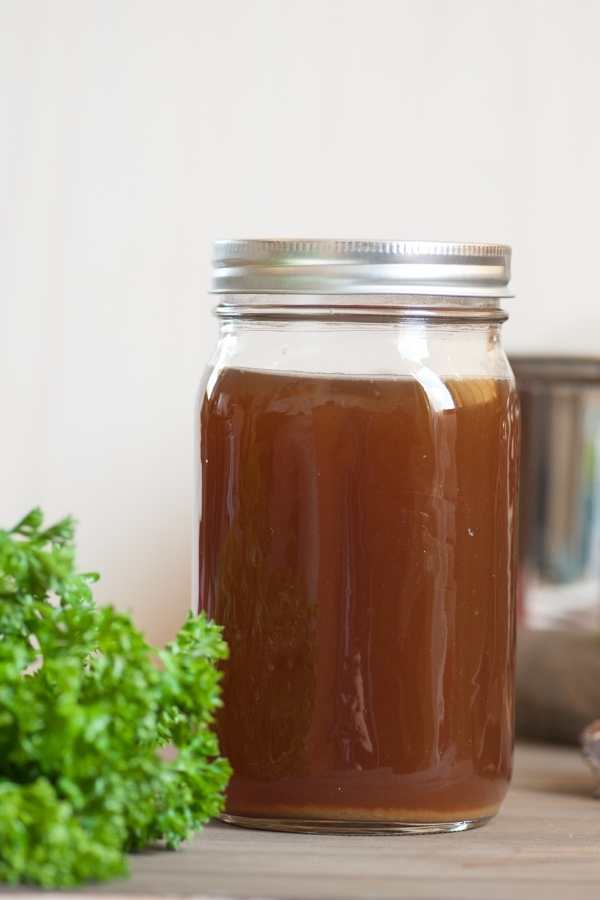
356 542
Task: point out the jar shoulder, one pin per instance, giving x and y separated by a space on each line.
413 350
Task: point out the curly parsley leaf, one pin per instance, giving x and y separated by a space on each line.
86 710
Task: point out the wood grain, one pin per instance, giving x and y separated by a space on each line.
544 844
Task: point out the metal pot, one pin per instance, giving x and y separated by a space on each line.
560 490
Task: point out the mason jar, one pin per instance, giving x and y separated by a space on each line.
358 444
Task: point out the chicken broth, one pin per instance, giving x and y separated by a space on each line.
356 543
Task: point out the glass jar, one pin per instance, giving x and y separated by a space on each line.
358 459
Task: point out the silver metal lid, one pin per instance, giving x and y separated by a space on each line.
433 268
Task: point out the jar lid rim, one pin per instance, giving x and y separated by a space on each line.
317 266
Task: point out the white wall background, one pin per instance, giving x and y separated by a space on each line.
133 132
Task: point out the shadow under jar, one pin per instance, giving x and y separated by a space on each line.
358 435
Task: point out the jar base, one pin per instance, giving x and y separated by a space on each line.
340 826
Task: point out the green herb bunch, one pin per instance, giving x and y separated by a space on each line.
86 708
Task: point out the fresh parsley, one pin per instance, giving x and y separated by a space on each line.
87 710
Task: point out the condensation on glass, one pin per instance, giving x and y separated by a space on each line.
357 454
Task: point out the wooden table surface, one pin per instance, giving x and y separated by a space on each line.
544 844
